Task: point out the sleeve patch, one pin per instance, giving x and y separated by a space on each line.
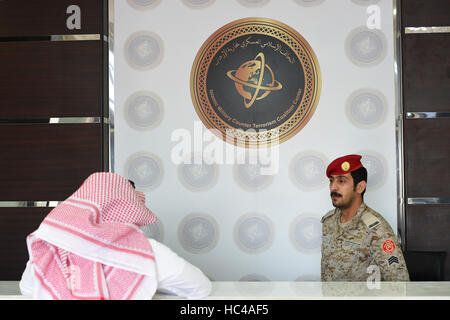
389 246
393 259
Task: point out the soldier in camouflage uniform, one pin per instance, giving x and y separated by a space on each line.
356 240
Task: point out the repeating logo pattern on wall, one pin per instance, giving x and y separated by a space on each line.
144 50
366 108
376 166
247 174
196 174
256 75
144 4
198 4
254 233
145 169
306 170
143 110
253 3
306 233
309 3
365 47
198 233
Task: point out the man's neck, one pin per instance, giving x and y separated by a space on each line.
348 213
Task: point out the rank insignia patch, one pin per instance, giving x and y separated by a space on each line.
392 260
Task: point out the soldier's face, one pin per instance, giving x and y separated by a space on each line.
342 190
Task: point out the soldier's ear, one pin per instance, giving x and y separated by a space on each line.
361 186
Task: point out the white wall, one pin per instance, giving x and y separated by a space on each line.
289 227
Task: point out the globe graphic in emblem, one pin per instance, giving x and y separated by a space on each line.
254 80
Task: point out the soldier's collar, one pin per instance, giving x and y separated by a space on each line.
360 210
356 218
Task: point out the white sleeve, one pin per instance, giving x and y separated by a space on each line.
26 283
177 276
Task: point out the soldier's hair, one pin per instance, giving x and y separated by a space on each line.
358 176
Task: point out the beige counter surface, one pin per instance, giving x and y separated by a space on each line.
285 290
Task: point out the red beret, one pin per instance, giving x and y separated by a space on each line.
345 164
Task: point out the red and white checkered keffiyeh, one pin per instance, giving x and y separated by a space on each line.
91 247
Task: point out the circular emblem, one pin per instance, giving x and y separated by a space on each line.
253 3
143 110
305 233
253 233
196 174
198 4
145 169
389 246
143 4
309 3
256 82
248 174
345 166
144 50
366 108
198 233
306 170
365 47
377 169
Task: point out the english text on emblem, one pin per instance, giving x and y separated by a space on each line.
255 82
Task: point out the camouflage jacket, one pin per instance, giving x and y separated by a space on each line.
367 240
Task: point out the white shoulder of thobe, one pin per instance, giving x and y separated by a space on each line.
174 275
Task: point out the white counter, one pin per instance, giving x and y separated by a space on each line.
228 290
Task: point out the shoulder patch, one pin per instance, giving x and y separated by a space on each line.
370 220
329 214
389 246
